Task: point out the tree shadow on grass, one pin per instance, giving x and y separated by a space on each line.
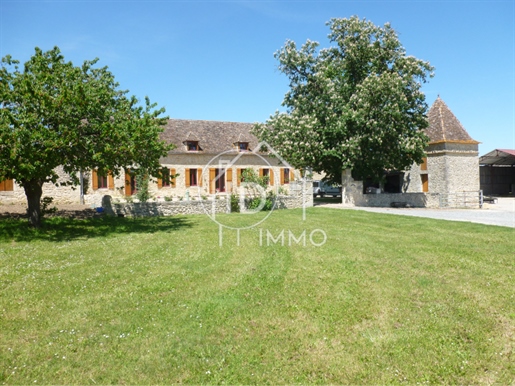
66 228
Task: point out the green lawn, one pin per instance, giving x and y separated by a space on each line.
386 299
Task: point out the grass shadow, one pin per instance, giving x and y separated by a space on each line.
66 228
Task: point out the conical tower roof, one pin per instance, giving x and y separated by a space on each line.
444 126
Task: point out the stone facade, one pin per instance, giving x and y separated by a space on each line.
222 150
352 195
450 171
61 194
300 197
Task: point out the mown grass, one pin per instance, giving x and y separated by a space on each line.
386 299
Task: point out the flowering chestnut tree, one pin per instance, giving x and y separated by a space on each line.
357 104
53 113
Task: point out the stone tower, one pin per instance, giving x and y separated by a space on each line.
452 155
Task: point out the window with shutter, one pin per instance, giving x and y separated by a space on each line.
285 176
165 179
102 181
193 177
265 172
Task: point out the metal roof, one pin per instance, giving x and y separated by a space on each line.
500 157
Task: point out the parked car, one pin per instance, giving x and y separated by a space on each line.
331 190
317 189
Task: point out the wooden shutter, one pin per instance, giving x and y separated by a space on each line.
228 176
110 181
212 183
187 174
199 177
161 178
292 175
425 183
281 176
271 176
6 185
423 166
261 171
128 190
172 178
94 179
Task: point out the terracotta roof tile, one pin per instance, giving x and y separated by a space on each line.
444 126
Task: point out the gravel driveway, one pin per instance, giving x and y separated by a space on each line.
502 213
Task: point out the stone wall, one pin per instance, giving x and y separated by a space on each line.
61 193
296 199
453 167
180 162
352 195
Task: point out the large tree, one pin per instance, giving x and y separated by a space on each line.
357 104
53 114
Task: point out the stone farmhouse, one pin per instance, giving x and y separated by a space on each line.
449 175
208 159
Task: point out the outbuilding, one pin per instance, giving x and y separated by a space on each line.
497 172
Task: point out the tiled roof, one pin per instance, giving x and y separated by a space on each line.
444 126
213 136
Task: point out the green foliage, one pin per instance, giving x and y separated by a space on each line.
255 202
142 180
249 175
357 104
46 207
255 186
57 114
252 202
235 203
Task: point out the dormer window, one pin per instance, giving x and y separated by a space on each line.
243 146
192 145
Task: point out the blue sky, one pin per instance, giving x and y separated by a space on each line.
213 60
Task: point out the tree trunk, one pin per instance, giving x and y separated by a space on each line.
34 191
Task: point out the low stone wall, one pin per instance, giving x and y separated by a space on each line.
411 200
173 208
170 208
